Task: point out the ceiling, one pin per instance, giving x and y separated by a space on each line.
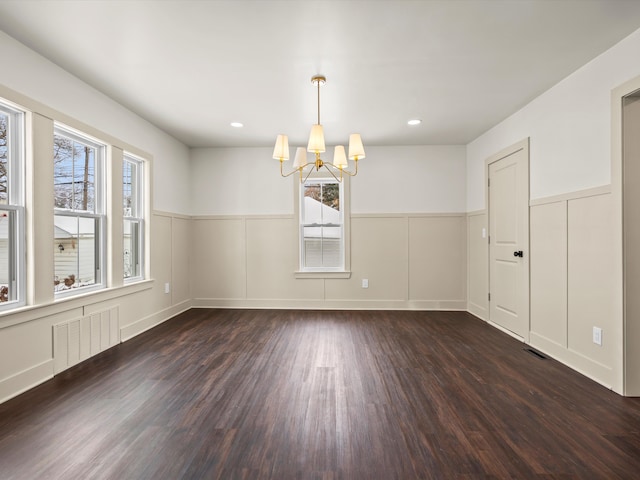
193 67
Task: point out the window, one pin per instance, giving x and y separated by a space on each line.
12 243
322 226
79 220
132 190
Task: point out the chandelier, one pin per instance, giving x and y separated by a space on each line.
316 146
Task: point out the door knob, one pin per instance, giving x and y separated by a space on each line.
518 254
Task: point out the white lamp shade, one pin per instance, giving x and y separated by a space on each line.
281 150
316 140
301 158
340 157
356 149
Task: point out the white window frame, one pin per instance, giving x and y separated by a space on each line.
99 215
15 205
137 215
342 271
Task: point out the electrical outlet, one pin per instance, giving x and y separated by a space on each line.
365 283
597 336
167 288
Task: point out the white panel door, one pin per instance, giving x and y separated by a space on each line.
509 240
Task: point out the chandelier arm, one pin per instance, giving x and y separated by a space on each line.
308 174
291 172
326 165
351 174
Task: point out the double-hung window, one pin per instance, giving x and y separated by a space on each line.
12 210
133 217
322 232
79 218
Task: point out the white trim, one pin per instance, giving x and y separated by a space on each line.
147 323
345 216
409 215
15 204
620 363
27 379
577 195
321 274
85 299
477 213
576 361
315 304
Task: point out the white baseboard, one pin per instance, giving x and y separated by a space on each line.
25 380
129 331
477 310
314 304
589 368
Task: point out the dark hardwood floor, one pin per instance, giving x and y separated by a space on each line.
320 395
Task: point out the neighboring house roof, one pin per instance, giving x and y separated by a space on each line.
68 227
65 227
316 212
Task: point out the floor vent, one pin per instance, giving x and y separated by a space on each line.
535 353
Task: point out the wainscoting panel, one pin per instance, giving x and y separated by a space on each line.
271 258
549 272
80 338
438 253
477 264
571 277
218 246
379 253
590 297
411 261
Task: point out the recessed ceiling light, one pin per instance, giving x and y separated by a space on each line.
237 125
414 122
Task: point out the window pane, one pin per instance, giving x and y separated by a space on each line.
63 171
322 247
313 246
5 259
127 188
74 252
131 249
12 261
74 174
331 195
4 127
133 217
322 242
83 177
331 246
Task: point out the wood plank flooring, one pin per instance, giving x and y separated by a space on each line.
232 394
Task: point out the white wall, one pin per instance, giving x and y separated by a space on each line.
32 75
408 232
569 126
26 334
409 179
238 181
572 210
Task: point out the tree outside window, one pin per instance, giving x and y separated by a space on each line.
12 259
79 218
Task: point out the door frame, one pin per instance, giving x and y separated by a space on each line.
505 152
621 336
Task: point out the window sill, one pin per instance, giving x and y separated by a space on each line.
299 274
28 313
